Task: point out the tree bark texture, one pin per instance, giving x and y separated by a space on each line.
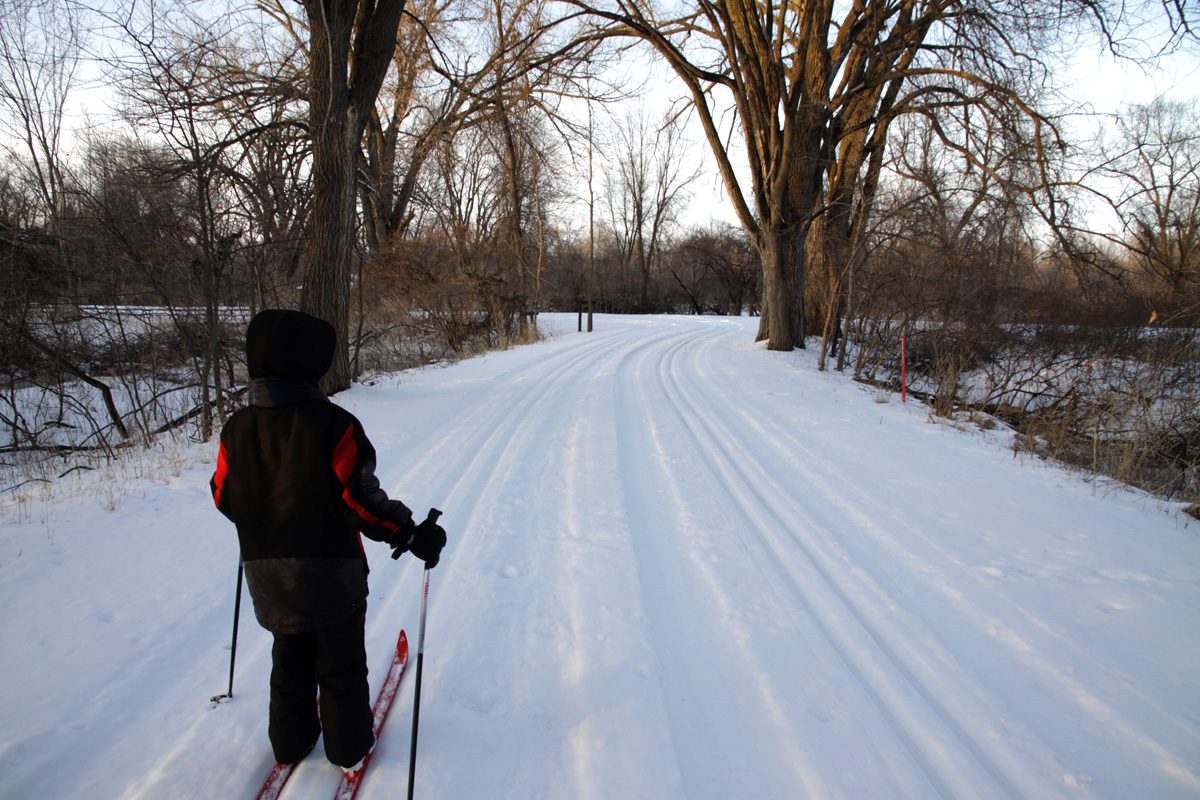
782 320
350 47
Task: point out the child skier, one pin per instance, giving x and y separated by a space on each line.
296 475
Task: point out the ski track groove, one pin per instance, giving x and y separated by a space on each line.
432 440
563 382
665 564
650 559
486 455
634 486
667 780
851 502
478 448
905 715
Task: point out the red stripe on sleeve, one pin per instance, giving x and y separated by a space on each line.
345 455
220 475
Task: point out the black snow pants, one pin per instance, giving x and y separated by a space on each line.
333 659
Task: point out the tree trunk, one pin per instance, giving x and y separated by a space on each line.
334 149
344 80
827 248
328 253
782 254
644 267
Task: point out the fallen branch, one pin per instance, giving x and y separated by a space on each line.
67 366
195 412
22 483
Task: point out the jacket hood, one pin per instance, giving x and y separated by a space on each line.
289 344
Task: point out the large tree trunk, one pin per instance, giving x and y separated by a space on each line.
782 320
343 86
828 250
824 296
335 147
329 251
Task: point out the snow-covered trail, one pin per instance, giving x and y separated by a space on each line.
679 567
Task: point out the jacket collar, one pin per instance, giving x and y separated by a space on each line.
276 392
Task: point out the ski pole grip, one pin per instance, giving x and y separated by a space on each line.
431 517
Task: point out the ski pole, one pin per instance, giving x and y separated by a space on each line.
237 611
412 753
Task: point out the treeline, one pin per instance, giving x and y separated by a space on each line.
909 185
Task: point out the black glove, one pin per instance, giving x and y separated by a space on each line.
401 539
427 541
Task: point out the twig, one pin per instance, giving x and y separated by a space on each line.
22 483
72 469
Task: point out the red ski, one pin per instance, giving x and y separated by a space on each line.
348 787
275 781
383 703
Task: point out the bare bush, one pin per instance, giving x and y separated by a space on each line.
82 377
1130 411
1112 400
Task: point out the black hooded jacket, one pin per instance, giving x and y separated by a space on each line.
296 475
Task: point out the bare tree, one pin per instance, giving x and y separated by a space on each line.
187 92
1155 162
406 124
40 49
261 101
351 46
485 204
815 86
716 269
452 73
646 183
431 96
448 264
948 258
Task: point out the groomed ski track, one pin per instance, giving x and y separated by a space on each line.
682 567
685 599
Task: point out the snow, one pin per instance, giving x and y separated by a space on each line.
680 566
